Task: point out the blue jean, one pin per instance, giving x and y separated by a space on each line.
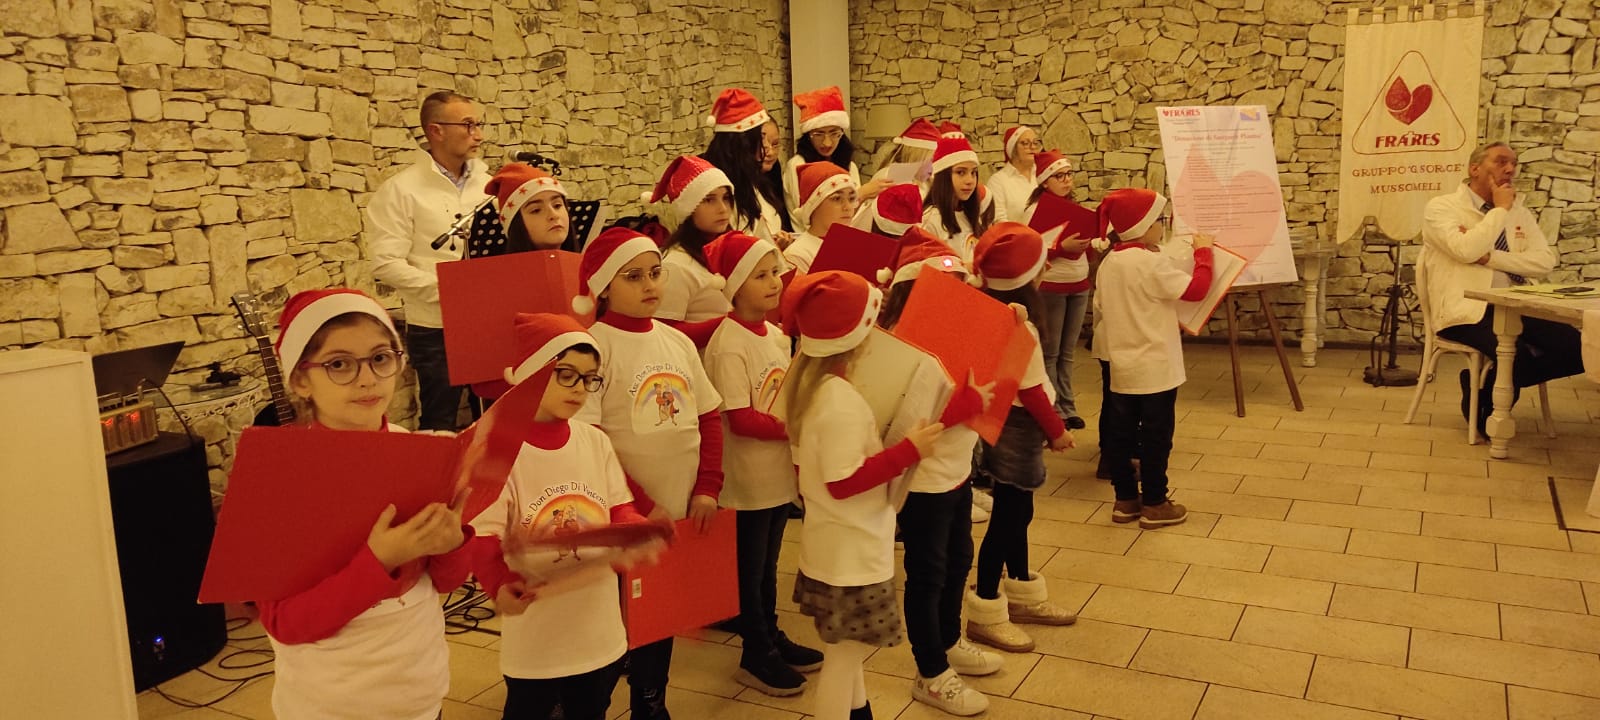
1059 331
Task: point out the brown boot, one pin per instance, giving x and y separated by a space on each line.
1028 601
1160 516
1126 511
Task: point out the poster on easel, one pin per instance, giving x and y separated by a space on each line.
1223 174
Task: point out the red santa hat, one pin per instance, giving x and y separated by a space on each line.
1130 212
920 134
308 311
733 256
687 181
1008 256
818 180
541 338
737 111
918 250
1012 136
898 208
953 148
984 199
830 311
1048 163
603 258
822 108
515 185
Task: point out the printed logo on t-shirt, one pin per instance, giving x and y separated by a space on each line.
563 509
660 399
767 391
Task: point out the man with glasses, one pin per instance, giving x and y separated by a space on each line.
408 214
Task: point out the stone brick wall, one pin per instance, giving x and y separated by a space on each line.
1090 74
157 156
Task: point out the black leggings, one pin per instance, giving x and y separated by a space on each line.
586 696
1005 543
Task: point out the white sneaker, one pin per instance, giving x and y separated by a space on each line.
983 499
969 659
979 515
950 694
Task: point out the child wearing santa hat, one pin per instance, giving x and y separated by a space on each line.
564 473
1064 287
1011 184
701 197
1136 331
845 581
532 209
824 137
368 640
892 212
737 148
747 358
1009 259
658 407
953 210
827 196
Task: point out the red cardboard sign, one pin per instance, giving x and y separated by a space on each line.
480 298
855 251
696 584
1055 211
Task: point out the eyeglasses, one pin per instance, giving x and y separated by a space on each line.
1030 144
345 369
567 377
473 126
637 275
829 134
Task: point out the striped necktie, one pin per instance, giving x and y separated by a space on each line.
1505 247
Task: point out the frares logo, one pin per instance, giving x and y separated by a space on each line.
1410 112
1409 139
1180 112
1406 104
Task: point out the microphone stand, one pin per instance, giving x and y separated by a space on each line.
460 228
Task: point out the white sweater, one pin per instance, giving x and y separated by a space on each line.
1010 189
1455 233
404 216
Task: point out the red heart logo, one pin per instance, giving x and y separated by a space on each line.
1406 104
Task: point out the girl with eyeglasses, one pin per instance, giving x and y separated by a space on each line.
824 137
367 641
1065 287
566 478
657 405
1011 184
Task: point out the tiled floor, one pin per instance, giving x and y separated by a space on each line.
1336 564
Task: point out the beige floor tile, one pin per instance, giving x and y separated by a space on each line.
1163 612
463 711
1342 568
1230 503
1365 445
1287 469
1322 635
1114 540
252 701
1226 703
1089 640
1085 487
1398 499
1301 489
1115 692
1369 476
1352 516
1549 563
1424 695
1335 427
1591 594
1204 480
1584 542
1572 631
1256 589
898 662
1535 511
1046 507
1394 607
1201 551
1531 704
1324 454
1220 446
1421 548
888 694
1178 460
1456 465
1437 433
1503 532
1000 708
1269 435
1252 667
1501 587
1118 570
1546 668
1277 532
691 704
1234 423
1487 487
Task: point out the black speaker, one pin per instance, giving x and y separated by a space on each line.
161 509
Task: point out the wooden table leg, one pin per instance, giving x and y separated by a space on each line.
1502 426
1277 344
1233 352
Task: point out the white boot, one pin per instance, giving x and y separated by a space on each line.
989 622
1030 602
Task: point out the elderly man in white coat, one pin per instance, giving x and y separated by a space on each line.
1481 237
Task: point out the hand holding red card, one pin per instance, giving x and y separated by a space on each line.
480 298
1057 217
855 251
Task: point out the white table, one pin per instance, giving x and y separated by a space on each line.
1313 252
1509 308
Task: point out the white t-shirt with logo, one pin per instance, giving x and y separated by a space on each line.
849 542
747 370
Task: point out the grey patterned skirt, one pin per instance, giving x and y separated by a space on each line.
1018 459
868 614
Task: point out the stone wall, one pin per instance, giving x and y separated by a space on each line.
157 156
1090 74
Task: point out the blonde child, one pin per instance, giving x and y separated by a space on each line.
914 145
953 210
846 577
1137 333
367 641
701 196
658 407
1064 289
827 196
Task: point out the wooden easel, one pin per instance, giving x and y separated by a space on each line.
1232 312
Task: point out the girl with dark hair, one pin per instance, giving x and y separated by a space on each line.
533 209
824 136
772 172
699 195
737 148
953 210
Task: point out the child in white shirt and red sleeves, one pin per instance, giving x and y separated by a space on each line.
1137 332
1009 258
846 578
565 478
658 407
367 641
747 358
827 195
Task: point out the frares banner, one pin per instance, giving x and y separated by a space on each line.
1410 114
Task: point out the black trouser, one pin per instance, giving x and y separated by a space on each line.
760 538
439 403
937 530
1138 426
1005 541
1545 351
586 696
647 679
